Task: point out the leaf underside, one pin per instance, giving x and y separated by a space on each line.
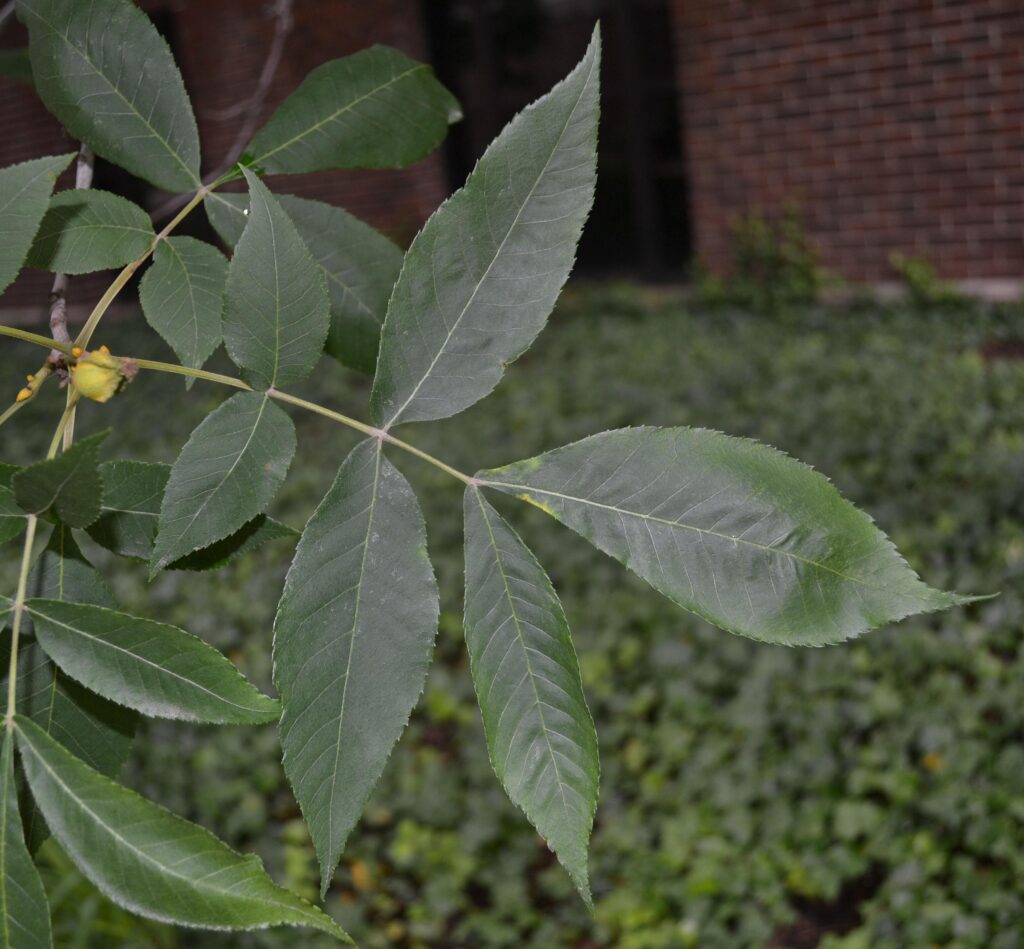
12 517
147 859
540 735
481 278
352 643
735 531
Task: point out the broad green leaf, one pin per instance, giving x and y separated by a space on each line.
147 859
154 668
734 531
105 72
540 735
97 731
15 64
70 483
127 525
87 230
276 311
352 642
12 517
374 109
227 474
24 197
361 265
182 296
7 473
24 913
482 276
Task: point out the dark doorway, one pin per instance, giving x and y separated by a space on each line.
499 55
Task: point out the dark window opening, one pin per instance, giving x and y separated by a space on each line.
499 55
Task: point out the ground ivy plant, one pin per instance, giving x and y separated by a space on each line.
731 530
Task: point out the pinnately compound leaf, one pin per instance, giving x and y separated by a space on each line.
540 735
148 860
70 483
154 668
24 913
24 197
103 70
352 643
227 474
374 109
87 230
276 310
361 265
482 276
734 531
182 296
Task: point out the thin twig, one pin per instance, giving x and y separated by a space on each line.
251 108
59 293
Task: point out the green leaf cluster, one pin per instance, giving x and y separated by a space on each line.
733 531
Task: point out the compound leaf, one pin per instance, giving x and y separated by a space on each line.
24 197
276 311
70 483
87 230
360 263
482 276
374 109
154 668
352 642
147 859
540 735
105 72
182 296
734 531
228 472
24 913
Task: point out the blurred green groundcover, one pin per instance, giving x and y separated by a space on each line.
869 797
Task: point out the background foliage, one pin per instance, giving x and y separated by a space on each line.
751 795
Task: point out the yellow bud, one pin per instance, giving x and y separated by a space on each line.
30 377
77 351
99 375
25 393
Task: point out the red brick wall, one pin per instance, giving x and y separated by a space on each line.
221 46
896 125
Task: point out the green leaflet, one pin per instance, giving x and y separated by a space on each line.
24 913
103 70
154 668
12 517
24 197
352 643
482 276
374 109
540 735
227 474
276 311
87 230
97 731
147 859
361 265
735 531
182 296
130 511
69 483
